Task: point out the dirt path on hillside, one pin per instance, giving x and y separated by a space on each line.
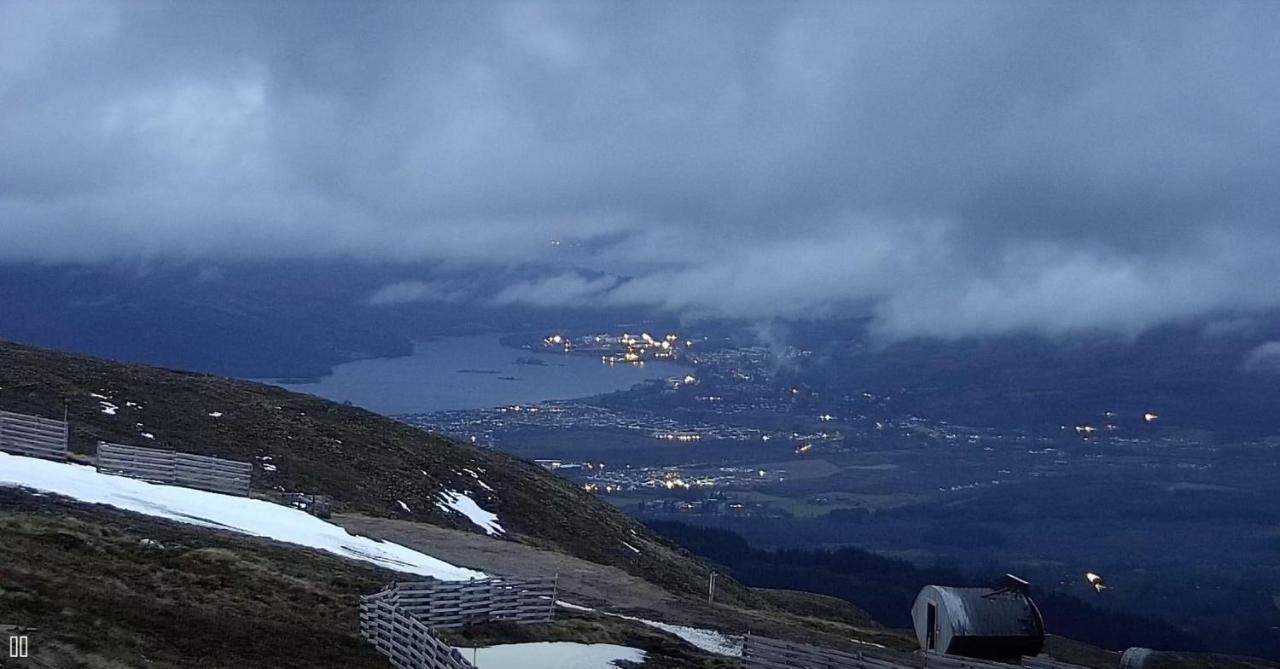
609 588
581 582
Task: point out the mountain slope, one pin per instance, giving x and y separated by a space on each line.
109 589
98 588
370 464
376 468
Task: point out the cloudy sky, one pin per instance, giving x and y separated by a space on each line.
950 168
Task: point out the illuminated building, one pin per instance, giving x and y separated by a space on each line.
678 436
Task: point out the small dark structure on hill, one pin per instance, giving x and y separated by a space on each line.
990 623
320 506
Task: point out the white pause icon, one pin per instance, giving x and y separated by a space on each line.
19 646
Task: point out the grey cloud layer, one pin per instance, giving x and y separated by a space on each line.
949 168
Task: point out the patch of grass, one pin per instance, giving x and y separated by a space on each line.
814 605
105 588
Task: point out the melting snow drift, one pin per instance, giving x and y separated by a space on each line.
551 655
456 501
226 512
710 641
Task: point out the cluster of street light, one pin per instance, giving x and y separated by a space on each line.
624 348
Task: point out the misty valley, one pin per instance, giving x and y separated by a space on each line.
696 334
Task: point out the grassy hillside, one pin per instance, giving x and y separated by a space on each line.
109 589
370 464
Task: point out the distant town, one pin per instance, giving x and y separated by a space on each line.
738 427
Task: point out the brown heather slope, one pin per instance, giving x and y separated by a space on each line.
367 462
208 593
110 589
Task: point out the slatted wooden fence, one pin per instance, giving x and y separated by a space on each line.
445 604
765 653
408 643
1046 663
33 436
942 661
400 621
185 469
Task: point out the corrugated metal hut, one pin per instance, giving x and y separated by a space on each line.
994 624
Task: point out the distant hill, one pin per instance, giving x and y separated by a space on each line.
289 319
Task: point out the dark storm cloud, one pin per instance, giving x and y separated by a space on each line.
949 168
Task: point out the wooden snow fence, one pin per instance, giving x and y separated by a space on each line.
765 653
33 436
202 472
400 621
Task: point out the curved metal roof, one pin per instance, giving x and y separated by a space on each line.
986 612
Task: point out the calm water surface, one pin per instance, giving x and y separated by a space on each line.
474 372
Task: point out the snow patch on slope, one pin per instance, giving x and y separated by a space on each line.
707 640
456 501
710 641
225 512
552 655
478 479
